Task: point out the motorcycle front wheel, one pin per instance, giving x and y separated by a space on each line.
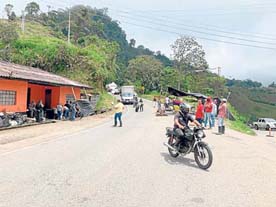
203 155
171 142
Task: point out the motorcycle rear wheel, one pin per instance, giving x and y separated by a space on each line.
202 154
171 142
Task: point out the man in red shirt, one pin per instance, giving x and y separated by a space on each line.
200 111
221 116
208 110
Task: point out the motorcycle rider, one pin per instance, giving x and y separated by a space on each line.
181 121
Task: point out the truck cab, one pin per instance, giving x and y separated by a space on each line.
127 94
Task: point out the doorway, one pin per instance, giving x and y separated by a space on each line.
48 98
28 97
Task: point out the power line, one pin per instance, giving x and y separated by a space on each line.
200 32
218 29
199 37
207 27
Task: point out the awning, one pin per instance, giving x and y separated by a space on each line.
178 93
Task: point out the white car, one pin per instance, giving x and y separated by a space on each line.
265 123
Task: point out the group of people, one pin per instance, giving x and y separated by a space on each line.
67 111
138 105
207 112
36 110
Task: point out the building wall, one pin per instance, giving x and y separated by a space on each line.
21 95
38 93
68 91
58 93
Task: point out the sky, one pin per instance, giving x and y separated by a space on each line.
237 35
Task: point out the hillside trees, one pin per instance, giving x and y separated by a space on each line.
145 71
188 54
188 57
32 9
9 11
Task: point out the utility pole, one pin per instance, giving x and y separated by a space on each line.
69 26
23 22
219 71
49 7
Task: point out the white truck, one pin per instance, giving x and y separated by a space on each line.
127 94
265 123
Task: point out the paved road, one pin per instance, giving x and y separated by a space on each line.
129 166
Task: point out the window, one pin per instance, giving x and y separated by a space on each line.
7 97
70 97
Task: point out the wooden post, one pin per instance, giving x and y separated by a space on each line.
74 93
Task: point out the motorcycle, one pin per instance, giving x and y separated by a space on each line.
191 142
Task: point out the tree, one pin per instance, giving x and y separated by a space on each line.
8 9
13 16
168 77
132 42
32 9
188 54
145 71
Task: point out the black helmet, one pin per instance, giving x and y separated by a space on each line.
184 108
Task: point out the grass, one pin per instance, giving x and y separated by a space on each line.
240 123
105 101
240 127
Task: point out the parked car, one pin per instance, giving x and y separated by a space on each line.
265 123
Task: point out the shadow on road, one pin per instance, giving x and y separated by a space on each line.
179 160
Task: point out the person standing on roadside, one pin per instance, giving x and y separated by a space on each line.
200 112
154 102
59 111
141 105
208 110
40 111
222 115
65 112
73 112
214 112
119 108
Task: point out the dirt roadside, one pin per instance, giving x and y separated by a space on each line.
23 137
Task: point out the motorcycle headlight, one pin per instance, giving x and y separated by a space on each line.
200 134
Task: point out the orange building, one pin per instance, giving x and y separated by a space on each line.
20 85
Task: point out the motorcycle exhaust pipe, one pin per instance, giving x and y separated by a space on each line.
169 146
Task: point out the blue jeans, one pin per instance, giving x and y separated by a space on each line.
200 120
207 118
213 120
220 121
66 114
59 113
118 116
73 115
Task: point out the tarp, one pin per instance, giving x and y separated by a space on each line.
176 92
85 107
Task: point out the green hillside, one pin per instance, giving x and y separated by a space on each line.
253 103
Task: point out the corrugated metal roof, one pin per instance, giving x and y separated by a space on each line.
35 75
